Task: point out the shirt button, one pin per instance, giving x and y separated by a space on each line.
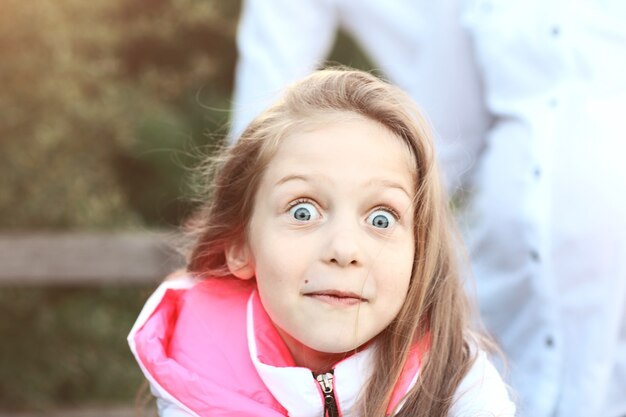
553 102
537 172
549 341
555 31
534 255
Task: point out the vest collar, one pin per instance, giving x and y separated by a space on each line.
294 387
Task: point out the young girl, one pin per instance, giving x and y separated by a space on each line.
323 280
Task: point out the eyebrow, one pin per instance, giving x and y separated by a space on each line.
288 178
376 181
389 184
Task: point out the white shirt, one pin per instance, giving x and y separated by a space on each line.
546 223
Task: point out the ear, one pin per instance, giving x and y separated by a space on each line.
239 260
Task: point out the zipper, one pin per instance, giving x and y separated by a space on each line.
330 402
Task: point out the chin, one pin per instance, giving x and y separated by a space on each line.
337 346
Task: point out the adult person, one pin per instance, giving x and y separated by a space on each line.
545 218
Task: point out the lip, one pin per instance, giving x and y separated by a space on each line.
336 297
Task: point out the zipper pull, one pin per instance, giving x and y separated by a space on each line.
330 403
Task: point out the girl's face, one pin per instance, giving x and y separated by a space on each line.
331 237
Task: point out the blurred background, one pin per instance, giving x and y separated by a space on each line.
105 108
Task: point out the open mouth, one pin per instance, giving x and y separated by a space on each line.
337 297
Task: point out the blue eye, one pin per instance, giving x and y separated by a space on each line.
381 219
304 212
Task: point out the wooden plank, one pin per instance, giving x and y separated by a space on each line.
119 411
87 258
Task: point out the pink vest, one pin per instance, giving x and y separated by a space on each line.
210 348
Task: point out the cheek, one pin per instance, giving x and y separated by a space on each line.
280 249
394 276
280 264
397 261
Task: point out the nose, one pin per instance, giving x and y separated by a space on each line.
343 247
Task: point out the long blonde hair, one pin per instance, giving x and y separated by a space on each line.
435 308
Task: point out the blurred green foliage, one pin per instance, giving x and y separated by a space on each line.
66 346
103 106
100 107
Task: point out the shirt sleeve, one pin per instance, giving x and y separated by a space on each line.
482 393
278 42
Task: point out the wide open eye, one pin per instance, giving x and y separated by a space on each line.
381 219
304 212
